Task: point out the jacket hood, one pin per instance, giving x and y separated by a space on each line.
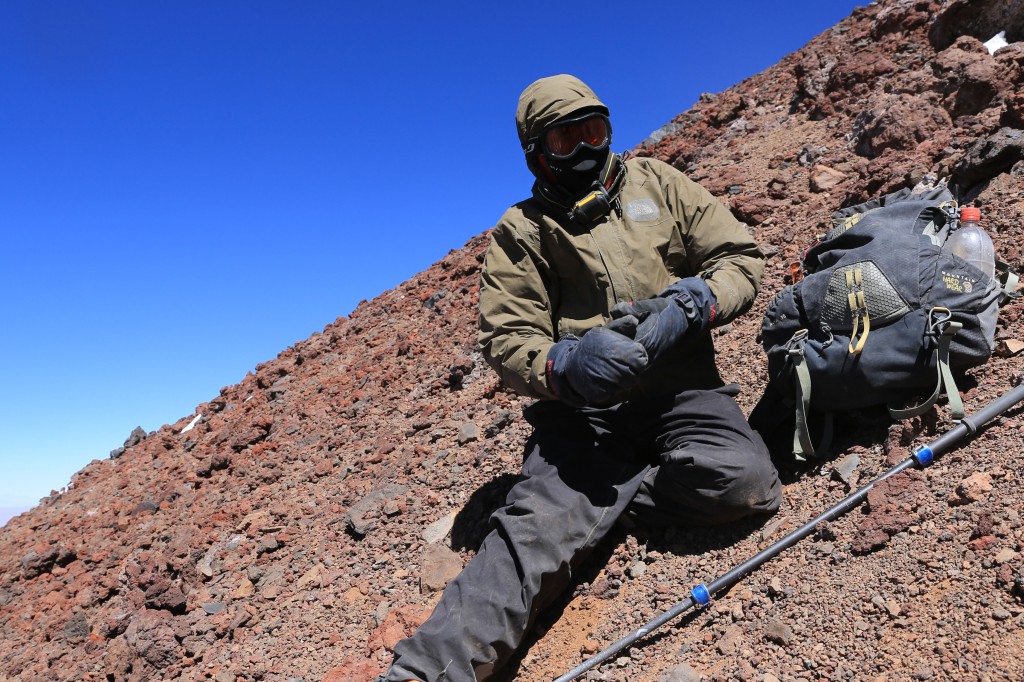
549 99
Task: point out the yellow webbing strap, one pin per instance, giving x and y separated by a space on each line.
862 303
858 310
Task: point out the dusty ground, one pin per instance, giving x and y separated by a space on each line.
309 517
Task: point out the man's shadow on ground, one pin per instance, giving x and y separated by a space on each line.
471 524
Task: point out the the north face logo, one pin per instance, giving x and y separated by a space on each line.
642 210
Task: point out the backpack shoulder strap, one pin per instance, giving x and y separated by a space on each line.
946 329
803 446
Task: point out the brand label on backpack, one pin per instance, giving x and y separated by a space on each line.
958 283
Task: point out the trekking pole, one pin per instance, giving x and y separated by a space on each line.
701 594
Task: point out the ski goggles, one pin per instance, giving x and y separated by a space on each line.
564 138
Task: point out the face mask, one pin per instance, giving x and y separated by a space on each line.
573 152
577 173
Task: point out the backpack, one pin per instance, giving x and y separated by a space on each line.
877 314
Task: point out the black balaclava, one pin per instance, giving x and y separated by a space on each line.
564 182
578 172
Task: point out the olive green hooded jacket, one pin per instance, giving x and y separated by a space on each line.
544 278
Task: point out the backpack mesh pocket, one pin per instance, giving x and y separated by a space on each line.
884 303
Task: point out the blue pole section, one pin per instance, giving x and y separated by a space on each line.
701 594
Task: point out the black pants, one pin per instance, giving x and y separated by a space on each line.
690 458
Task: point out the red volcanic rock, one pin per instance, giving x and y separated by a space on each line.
892 508
280 531
898 122
355 669
859 69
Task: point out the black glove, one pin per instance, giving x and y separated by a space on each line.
702 306
599 369
682 311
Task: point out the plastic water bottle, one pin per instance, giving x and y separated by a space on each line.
972 243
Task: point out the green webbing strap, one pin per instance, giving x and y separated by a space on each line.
803 446
948 330
1008 280
956 404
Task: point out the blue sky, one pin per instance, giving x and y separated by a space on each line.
188 188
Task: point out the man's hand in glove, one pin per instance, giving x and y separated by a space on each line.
599 369
682 311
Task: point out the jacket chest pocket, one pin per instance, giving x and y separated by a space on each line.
647 255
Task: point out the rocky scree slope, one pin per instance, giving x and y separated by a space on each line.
301 522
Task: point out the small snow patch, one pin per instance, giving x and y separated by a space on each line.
996 42
192 424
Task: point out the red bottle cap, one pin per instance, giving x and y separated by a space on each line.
970 213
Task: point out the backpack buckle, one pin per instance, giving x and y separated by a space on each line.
940 322
795 345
